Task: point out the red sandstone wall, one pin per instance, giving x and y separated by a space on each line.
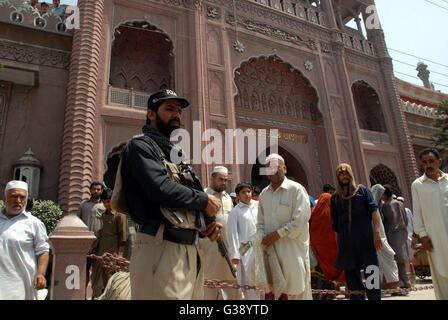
35 119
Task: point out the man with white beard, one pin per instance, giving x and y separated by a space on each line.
23 247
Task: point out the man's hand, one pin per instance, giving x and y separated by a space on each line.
426 243
235 261
213 206
270 239
40 282
212 231
377 240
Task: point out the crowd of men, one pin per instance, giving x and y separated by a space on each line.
177 233
44 8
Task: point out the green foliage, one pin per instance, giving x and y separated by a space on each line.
47 211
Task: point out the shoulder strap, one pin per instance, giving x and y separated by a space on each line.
151 141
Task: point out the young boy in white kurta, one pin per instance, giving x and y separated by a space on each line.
241 226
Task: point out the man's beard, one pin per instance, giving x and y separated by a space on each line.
277 178
166 128
219 189
343 184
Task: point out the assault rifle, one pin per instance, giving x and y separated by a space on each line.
194 182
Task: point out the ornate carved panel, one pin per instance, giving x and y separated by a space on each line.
128 69
338 113
304 18
28 54
332 81
216 93
214 45
192 4
269 85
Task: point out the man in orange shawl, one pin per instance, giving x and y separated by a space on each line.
324 240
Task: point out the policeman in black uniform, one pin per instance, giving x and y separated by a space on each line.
165 261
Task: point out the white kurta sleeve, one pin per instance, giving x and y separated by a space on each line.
419 226
300 215
232 234
41 244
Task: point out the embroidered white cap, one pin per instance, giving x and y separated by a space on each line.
220 169
274 156
16 184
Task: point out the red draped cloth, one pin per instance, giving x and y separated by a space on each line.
324 240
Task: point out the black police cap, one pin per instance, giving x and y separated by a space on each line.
158 97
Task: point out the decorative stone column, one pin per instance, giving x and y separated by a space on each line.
329 10
354 133
76 163
401 131
71 241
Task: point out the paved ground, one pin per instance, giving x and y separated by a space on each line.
417 295
427 294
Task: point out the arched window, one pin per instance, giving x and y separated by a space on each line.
368 107
142 58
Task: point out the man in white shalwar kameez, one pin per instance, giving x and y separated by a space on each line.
430 206
241 226
23 247
283 215
215 266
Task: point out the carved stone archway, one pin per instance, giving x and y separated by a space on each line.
383 175
269 85
294 170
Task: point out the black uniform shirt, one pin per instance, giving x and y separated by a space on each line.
147 185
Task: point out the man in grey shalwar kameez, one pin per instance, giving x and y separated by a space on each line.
388 266
395 224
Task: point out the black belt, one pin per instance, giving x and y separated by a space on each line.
173 234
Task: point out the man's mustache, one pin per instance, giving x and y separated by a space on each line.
174 119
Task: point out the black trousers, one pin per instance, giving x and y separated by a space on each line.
355 283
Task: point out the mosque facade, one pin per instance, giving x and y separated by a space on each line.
70 98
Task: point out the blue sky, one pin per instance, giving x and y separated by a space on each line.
419 28
415 27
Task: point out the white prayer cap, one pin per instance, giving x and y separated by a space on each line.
273 156
220 169
16 184
233 195
400 199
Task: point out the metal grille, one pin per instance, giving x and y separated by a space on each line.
141 100
120 97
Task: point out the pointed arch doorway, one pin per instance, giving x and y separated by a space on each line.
294 170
